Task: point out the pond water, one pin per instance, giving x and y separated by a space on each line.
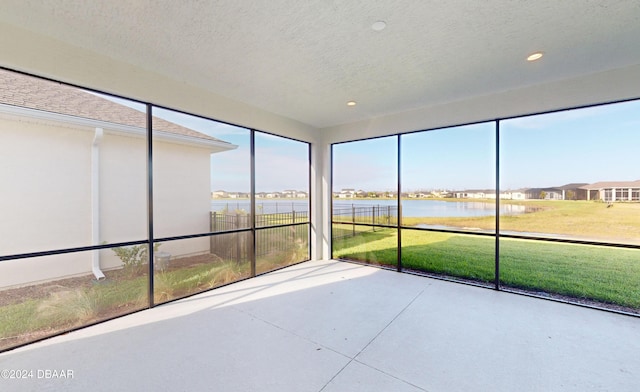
438 208
410 208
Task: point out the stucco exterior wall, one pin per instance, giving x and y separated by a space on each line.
45 203
44 200
182 196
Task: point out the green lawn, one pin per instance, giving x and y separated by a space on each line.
585 219
604 274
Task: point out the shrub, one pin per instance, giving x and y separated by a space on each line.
134 257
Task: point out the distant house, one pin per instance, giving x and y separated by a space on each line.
518 194
291 193
571 191
489 194
476 194
421 195
73 174
441 193
219 194
565 192
611 191
347 193
544 193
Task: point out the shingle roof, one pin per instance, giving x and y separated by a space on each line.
39 94
480 191
612 184
573 185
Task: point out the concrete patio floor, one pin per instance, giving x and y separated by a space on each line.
333 326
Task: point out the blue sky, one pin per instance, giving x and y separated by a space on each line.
586 145
280 163
600 143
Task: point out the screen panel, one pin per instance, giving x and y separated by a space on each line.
365 200
578 174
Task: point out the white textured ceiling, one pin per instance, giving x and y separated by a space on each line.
306 59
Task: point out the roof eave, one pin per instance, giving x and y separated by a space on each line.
213 145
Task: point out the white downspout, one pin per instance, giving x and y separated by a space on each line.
95 203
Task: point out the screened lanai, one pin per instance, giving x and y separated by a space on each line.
169 167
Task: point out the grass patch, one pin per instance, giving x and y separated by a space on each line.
604 274
608 275
67 307
169 285
374 247
281 246
588 219
464 256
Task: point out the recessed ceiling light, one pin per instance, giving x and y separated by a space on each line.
379 25
535 56
351 103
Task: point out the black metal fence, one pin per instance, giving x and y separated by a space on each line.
358 215
282 240
221 221
269 240
386 215
232 246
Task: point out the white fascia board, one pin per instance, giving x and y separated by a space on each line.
213 145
